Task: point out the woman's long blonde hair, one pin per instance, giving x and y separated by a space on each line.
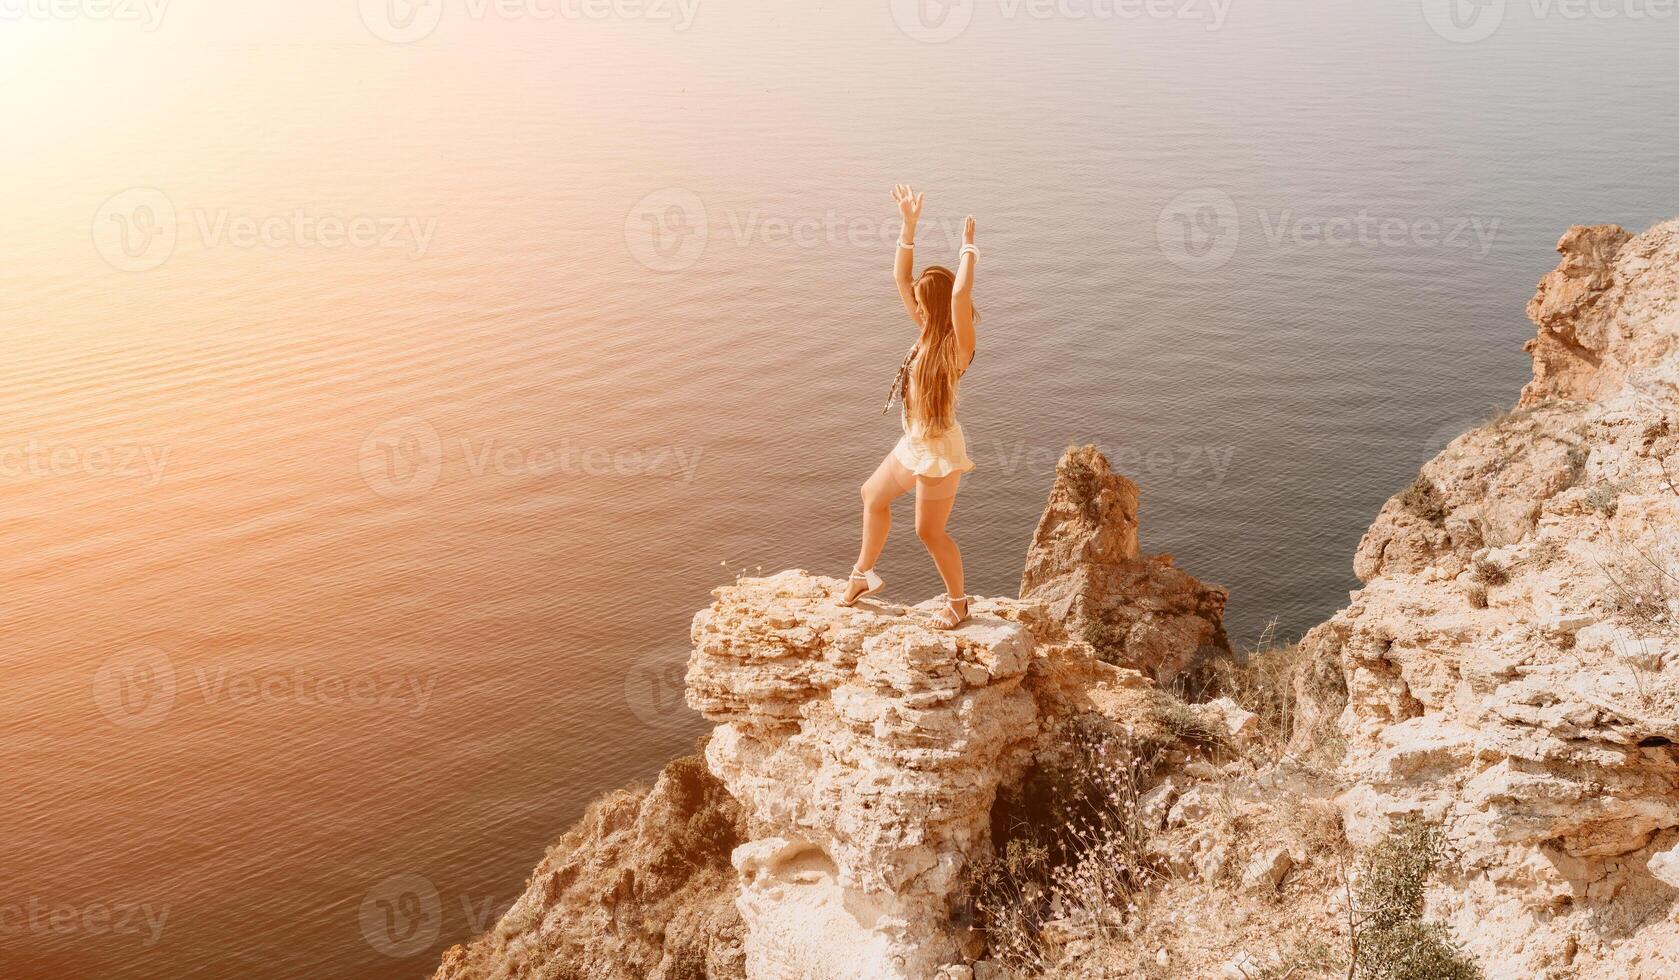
937 369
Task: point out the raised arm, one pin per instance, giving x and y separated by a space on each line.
962 295
903 266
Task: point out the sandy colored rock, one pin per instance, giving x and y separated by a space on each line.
1084 566
641 888
1510 661
867 749
1664 866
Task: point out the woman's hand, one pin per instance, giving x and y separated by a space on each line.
909 205
968 231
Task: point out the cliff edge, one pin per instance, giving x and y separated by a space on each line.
1512 661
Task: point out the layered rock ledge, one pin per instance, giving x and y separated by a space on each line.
1512 660
867 749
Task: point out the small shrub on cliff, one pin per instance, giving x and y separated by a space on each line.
1106 639
1263 682
1078 468
1644 589
712 829
1270 681
1071 846
1489 572
1604 498
1423 499
1577 457
1186 723
1390 940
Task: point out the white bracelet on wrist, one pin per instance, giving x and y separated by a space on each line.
904 244
971 248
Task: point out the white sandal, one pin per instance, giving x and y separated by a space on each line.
948 618
873 583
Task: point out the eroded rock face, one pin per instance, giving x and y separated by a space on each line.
639 889
867 750
1512 665
1086 568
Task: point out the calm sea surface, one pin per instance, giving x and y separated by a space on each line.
374 416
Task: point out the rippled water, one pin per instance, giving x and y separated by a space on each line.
356 503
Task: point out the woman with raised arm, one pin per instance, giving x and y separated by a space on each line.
932 455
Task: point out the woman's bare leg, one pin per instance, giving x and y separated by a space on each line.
891 478
934 497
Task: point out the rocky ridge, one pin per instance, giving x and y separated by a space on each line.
1512 662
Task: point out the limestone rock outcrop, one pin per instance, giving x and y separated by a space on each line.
867 749
1086 568
639 889
1595 312
1512 661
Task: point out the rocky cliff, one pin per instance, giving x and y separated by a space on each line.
1507 675
1512 662
867 749
641 886
1086 569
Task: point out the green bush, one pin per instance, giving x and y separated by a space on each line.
1413 951
1604 499
1394 943
1107 640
